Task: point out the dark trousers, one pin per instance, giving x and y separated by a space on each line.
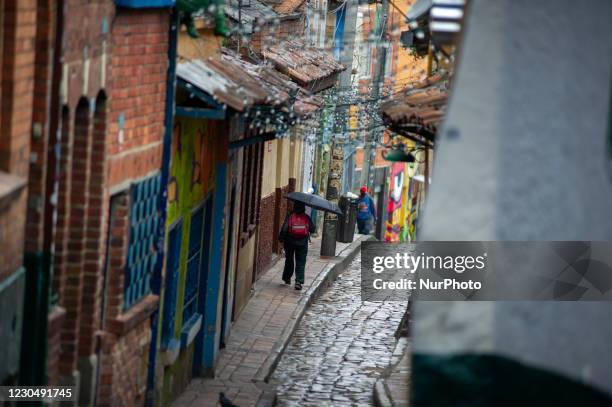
298 265
364 225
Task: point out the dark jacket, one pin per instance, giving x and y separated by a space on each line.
288 239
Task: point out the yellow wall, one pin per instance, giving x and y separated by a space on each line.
198 48
295 165
408 69
268 183
244 274
282 162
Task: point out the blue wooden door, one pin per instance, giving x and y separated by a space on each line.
205 225
172 272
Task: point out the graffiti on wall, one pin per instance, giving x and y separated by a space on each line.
404 203
193 158
396 202
192 166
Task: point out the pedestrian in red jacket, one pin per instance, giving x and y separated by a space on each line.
294 235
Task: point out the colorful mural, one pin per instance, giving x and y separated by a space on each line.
397 202
192 168
194 156
403 204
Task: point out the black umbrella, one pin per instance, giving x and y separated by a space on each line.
314 201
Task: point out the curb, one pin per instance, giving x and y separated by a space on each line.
323 280
382 395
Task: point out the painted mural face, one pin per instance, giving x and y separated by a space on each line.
396 186
398 183
396 204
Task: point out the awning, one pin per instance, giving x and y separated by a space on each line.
417 112
313 68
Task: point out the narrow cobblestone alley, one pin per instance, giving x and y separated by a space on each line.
340 348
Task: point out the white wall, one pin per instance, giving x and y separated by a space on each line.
523 156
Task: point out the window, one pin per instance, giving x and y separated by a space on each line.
142 251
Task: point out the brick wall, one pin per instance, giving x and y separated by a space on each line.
269 34
75 239
55 321
267 237
12 221
126 335
274 208
18 30
96 231
80 207
17 78
113 96
139 65
41 120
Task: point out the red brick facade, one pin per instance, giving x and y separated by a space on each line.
113 94
139 65
12 222
271 33
265 244
17 77
137 97
274 208
126 336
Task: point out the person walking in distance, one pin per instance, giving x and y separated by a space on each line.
366 212
294 235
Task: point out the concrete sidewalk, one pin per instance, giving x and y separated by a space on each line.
263 329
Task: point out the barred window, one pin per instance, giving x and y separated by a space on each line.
142 250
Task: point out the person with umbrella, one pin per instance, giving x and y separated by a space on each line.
294 235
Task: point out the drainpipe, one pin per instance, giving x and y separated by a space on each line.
429 73
165 168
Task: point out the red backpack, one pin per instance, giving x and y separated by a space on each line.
299 225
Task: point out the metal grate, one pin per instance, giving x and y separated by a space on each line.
142 253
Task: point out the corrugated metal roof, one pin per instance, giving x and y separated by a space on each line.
241 84
303 64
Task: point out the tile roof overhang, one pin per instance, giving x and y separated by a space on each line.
416 112
288 6
313 68
239 84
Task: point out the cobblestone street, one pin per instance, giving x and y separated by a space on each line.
340 348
